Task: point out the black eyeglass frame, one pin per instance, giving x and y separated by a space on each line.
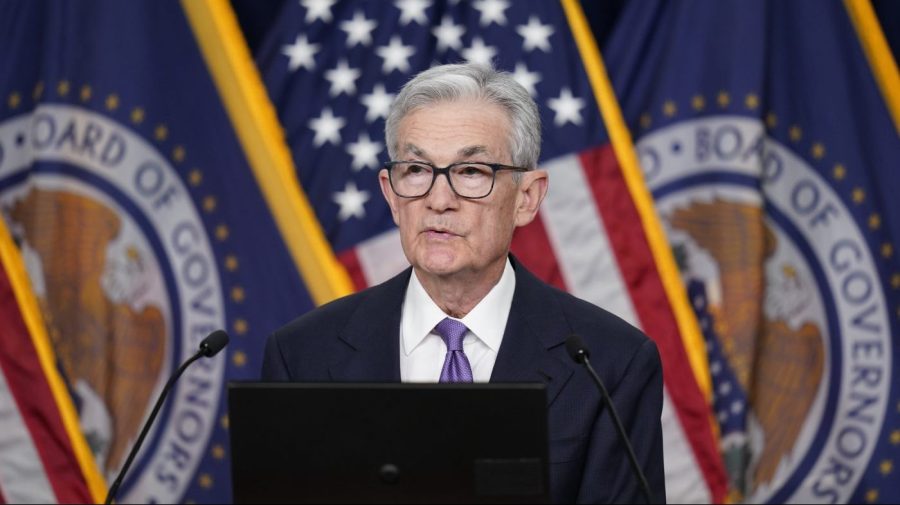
436 171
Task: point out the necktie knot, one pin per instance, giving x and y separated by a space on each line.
453 332
456 364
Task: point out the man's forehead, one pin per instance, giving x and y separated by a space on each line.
464 151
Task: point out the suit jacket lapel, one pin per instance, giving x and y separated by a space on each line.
535 331
369 347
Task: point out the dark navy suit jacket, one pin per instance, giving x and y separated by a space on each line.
356 339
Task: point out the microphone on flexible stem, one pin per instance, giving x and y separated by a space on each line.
579 353
209 347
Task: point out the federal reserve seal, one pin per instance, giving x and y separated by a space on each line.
128 283
795 314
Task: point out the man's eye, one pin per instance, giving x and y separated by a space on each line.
473 171
416 169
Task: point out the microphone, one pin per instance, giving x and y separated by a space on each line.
209 347
580 354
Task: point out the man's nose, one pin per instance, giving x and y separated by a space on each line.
442 197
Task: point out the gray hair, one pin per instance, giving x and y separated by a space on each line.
448 83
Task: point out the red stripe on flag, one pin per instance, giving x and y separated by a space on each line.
532 247
351 262
638 269
31 391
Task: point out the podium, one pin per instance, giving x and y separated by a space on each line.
388 443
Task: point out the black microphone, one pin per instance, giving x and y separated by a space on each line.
209 347
579 353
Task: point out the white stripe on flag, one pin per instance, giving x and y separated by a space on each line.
685 482
22 475
381 257
579 240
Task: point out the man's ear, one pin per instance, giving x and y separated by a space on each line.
389 195
532 190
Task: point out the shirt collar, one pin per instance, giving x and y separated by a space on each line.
487 320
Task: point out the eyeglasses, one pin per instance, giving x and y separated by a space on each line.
414 179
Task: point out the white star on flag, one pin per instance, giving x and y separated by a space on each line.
479 53
342 79
567 108
378 103
327 128
359 30
527 79
492 11
448 35
536 35
395 55
351 201
318 9
365 152
413 10
301 53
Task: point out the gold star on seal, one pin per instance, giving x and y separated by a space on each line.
887 250
698 102
240 326
218 452
209 204
239 359
839 171
222 232
224 422
178 154
645 121
771 120
872 495
62 89
886 467
669 108
112 102
858 195
206 481
723 99
137 115
38 90
795 133
85 93
160 132
231 263
874 221
237 294
751 101
817 151
895 437
14 100
195 178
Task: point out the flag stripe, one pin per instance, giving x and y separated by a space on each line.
350 260
632 251
877 51
256 124
381 257
531 244
22 475
627 159
46 395
685 480
572 221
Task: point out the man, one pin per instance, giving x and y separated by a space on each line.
466 141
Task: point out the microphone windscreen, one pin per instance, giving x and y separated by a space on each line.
576 348
215 342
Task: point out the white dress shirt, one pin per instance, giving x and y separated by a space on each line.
422 351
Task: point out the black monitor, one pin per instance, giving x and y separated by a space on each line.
388 443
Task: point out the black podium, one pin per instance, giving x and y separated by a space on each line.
388 443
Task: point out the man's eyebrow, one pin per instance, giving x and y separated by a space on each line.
415 150
465 152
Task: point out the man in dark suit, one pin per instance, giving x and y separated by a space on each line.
466 140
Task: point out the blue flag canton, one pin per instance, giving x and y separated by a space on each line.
333 69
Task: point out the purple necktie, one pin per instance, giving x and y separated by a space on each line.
456 364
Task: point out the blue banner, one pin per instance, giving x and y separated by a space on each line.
772 156
143 229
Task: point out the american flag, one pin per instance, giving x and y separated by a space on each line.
332 69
